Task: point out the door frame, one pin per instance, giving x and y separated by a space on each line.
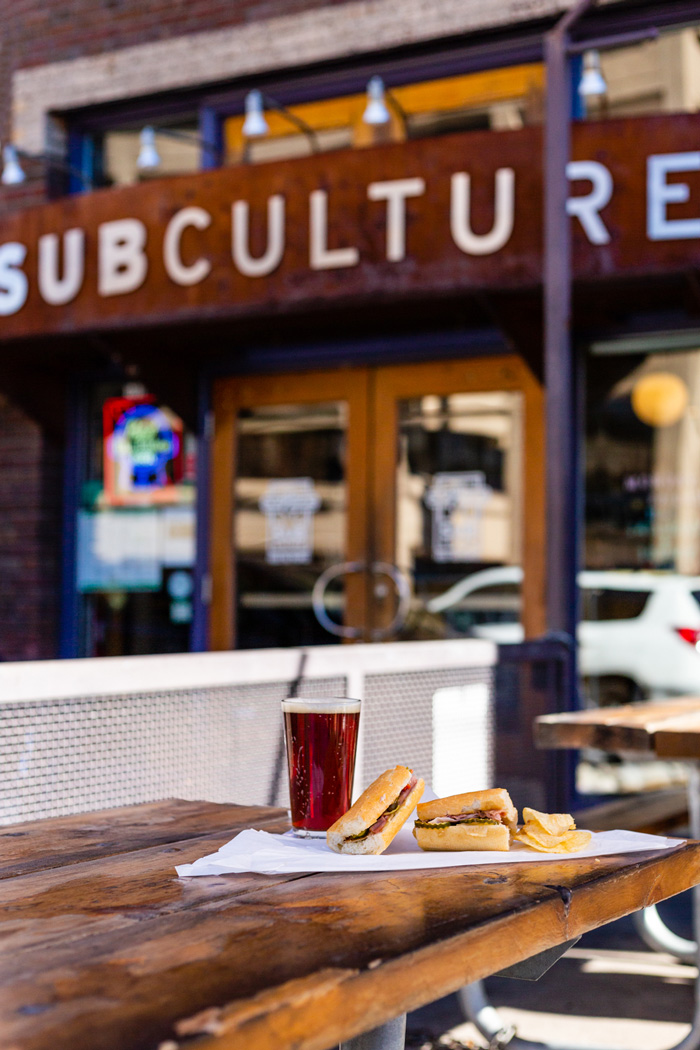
373 393
233 393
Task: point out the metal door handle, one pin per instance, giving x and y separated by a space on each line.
318 594
403 589
379 568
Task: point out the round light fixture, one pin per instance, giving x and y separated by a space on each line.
660 399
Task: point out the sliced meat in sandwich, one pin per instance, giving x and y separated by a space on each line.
379 813
476 820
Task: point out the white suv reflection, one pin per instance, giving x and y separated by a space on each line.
639 635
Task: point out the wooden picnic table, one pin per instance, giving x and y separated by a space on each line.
104 948
665 728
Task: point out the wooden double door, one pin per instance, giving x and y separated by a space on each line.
400 502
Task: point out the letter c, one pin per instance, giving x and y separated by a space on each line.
176 270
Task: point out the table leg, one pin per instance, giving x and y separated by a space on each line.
648 923
389 1036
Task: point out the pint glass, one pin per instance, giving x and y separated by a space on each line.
321 737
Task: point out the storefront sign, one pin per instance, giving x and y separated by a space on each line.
434 215
142 451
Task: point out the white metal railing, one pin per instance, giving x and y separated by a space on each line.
79 735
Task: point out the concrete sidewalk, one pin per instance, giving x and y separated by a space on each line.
609 991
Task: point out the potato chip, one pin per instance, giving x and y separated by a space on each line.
572 842
551 823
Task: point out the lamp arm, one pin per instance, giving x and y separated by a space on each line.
182 136
56 161
396 106
310 133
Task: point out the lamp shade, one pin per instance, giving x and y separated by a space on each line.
148 157
254 126
660 399
592 83
376 111
12 173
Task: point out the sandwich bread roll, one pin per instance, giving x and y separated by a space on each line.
379 813
474 820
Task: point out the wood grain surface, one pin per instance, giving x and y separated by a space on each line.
669 728
115 952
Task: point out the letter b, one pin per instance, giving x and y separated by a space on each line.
122 263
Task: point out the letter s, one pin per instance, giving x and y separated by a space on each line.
13 281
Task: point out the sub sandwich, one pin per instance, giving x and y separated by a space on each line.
379 813
476 820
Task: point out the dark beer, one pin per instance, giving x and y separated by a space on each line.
321 744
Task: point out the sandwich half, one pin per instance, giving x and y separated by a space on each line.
476 820
379 813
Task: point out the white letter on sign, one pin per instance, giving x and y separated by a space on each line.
52 288
122 263
13 281
174 266
504 214
395 194
272 256
586 208
321 257
660 193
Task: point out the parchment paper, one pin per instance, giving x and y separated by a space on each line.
266 854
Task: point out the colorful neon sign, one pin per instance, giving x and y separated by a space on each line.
143 454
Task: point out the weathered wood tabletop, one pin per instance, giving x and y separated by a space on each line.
666 728
104 948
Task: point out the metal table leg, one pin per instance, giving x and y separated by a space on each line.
389 1036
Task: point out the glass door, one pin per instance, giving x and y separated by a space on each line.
459 444
290 483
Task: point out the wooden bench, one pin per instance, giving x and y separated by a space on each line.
654 812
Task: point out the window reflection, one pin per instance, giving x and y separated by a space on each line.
640 612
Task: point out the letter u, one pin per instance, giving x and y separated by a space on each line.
272 257
504 214
53 288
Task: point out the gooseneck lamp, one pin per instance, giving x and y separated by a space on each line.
592 83
148 158
12 173
376 112
255 125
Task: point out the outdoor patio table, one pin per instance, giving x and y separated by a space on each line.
104 948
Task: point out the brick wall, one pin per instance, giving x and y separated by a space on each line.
30 537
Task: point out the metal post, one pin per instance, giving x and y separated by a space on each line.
558 364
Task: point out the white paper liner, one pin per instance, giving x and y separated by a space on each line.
266 854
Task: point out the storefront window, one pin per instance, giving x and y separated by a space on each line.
136 527
639 635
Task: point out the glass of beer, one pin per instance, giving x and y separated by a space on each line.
321 737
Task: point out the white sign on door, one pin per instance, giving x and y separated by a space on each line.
457 500
289 505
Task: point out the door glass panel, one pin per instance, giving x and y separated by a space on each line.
289 520
459 513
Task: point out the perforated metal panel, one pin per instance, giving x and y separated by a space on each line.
75 755
402 723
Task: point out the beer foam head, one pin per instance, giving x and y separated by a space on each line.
321 705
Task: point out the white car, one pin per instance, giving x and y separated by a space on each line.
639 635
